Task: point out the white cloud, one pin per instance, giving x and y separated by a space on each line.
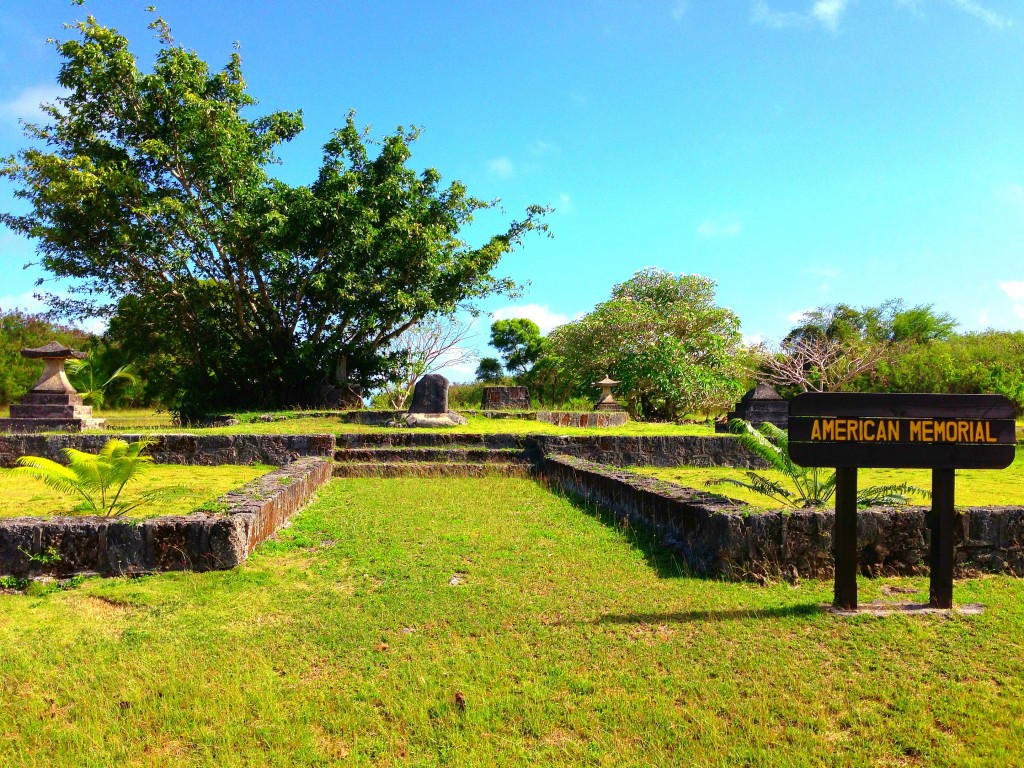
766 17
539 148
678 10
541 314
1010 194
721 227
25 105
798 316
501 167
753 340
26 302
565 205
828 12
978 11
1013 289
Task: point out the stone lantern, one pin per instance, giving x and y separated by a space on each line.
52 403
606 402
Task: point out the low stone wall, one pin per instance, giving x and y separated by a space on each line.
665 451
206 450
714 537
576 419
64 546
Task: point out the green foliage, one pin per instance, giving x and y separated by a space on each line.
991 362
489 370
811 487
19 330
891 321
98 478
520 343
92 381
664 338
151 191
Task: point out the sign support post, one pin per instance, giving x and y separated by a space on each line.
943 433
940 592
844 539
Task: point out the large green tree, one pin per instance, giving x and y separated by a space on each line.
662 335
151 191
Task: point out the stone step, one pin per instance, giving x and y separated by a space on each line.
406 439
434 455
22 426
431 469
50 398
38 411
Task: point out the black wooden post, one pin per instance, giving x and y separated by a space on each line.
844 539
941 523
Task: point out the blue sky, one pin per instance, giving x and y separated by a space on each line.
798 152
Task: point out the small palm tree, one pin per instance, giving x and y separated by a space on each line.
811 486
92 382
98 478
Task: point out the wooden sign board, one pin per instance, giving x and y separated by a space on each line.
851 429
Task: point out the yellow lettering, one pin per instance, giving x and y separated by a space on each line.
940 430
841 430
854 426
963 430
979 432
915 431
816 430
988 433
894 431
867 430
928 431
828 430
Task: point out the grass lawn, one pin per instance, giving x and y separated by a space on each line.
148 420
974 487
170 490
485 622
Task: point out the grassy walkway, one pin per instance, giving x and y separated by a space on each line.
486 622
169 489
974 487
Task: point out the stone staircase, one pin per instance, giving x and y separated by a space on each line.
434 455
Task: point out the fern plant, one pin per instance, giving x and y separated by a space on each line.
810 486
98 478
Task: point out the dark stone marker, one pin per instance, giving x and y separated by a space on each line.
759 405
430 395
506 398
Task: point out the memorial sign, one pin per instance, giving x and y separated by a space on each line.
849 430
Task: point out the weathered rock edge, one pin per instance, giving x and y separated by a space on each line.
714 538
209 450
197 542
205 450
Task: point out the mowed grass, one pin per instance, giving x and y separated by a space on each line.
167 489
486 622
974 487
142 420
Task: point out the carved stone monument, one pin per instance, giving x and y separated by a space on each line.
506 399
606 401
52 403
760 404
430 404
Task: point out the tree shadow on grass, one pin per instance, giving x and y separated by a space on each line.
734 614
665 562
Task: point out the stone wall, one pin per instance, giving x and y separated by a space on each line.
63 546
207 450
666 451
505 398
576 419
714 537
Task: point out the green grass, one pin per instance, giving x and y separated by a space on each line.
171 490
147 420
974 487
488 623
